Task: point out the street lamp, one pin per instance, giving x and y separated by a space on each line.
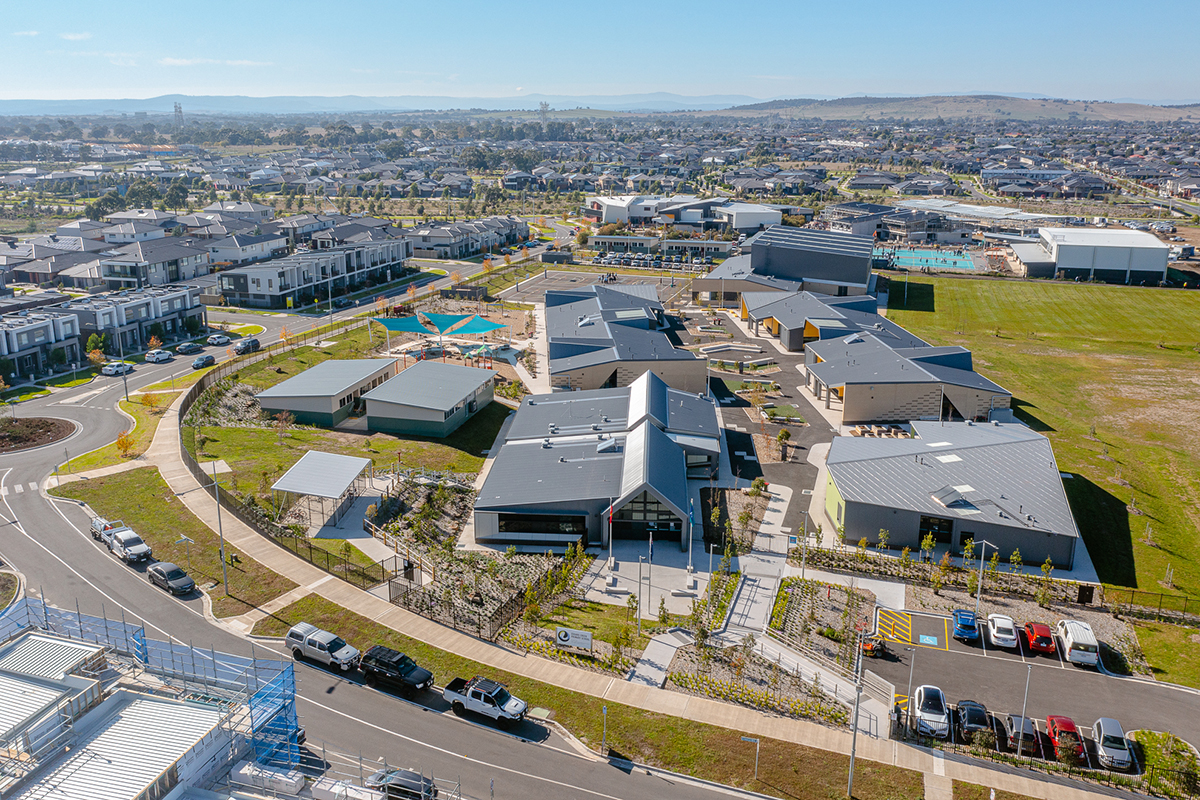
641 559
757 745
911 661
854 719
181 540
124 372
220 532
1021 734
979 589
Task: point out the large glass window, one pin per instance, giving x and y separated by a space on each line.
543 523
942 529
643 514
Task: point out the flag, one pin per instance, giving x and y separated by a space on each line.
691 511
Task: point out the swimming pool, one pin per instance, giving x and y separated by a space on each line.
916 258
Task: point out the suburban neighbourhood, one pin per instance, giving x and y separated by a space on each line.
478 444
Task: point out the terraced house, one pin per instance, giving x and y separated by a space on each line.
288 282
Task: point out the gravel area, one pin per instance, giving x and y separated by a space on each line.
1114 633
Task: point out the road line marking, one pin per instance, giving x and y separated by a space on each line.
3 491
33 487
18 488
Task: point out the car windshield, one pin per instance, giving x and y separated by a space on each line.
932 703
976 716
405 665
502 697
1003 629
336 644
1115 742
176 574
131 541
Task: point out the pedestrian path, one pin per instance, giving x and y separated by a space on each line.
652 667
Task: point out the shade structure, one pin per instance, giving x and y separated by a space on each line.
403 325
325 476
445 323
477 324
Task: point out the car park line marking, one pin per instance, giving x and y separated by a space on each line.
900 701
894 625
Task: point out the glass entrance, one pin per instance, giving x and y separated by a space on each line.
643 514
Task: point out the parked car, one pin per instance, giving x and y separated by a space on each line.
218 340
170 577
1111 748
244 346
966 626
1039 637
1022 734
1079 645
187 348
306 640
972 719
1002 631
931 715
402 784
1064 736
120 540
155 356
385 666
116 368
206 360
485 697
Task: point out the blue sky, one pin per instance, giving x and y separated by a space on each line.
1090 50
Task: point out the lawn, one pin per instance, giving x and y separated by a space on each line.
281 366
9 583
1171 651
706 751
604 620
179 382
252 451
69 380
246 330
143 500
338 547
146 421
972 791
23 393
1107 373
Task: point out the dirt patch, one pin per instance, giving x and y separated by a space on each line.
26 432
767 449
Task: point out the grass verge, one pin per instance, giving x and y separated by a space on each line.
9 583
68 380
1170 650
705 751
973 791
143 500
23 393
146 421
1101 371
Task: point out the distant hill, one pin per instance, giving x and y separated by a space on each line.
966 107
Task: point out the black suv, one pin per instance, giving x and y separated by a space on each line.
383 666
243 346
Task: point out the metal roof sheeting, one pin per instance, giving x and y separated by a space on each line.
133 741
45 656
21 699
329 378
431 384
322 474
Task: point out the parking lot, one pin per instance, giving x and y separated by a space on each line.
920 646
533 290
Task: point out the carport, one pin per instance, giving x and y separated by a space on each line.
333 480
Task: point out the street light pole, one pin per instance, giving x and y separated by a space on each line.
189 549
911 661
804 548
220 532
124 372
639 602
854 719
983 543
1021 734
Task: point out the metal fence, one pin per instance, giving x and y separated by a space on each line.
1161 604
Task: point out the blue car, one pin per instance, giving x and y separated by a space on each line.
965 625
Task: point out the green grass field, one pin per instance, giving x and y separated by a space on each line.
1170 650
1123 360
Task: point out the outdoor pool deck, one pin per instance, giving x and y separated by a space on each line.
918 258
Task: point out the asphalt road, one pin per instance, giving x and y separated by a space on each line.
996 678
48 541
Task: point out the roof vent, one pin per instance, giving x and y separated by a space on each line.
996 422
562 459
545 444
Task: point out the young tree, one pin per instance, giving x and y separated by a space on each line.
783 438
663 616
1014 561
154 343
283 423
152 401
96 357
456 278
631 607
125 444
927 545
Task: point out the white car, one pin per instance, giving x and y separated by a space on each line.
218 339
931 714
1002 631
116 368
155 356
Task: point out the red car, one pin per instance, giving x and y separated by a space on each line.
1065 736
1039 637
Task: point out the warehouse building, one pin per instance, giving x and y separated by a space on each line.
790 259
881 377
429 399
1102 254
606 336
590 464
327 393
957 481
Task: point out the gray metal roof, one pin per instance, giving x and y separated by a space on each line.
45 656
329 378
529 473
322 474
812 240
867 358
1002 474
431 384
655 464
123 747
23 698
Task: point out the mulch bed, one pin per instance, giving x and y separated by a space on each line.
23 433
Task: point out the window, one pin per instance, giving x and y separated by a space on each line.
543 523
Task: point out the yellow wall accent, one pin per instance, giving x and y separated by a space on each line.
833 499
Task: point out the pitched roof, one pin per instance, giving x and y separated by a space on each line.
329 378
431 384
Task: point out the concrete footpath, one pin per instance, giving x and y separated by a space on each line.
164 452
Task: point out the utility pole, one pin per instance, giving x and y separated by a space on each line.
1024 703
983 543
854 719
220 532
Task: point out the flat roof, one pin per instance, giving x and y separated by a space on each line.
45 656
1103 237
22 698
322 474
329 378
953 208
124 746
431 384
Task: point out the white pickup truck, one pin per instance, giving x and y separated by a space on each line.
120 540
485 697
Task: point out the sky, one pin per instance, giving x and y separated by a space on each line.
1097 50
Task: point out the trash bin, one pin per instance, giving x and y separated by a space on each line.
1086 594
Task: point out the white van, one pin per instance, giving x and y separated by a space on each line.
1078 642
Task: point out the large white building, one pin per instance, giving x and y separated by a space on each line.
1103 254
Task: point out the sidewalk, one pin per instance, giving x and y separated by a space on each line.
164 452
